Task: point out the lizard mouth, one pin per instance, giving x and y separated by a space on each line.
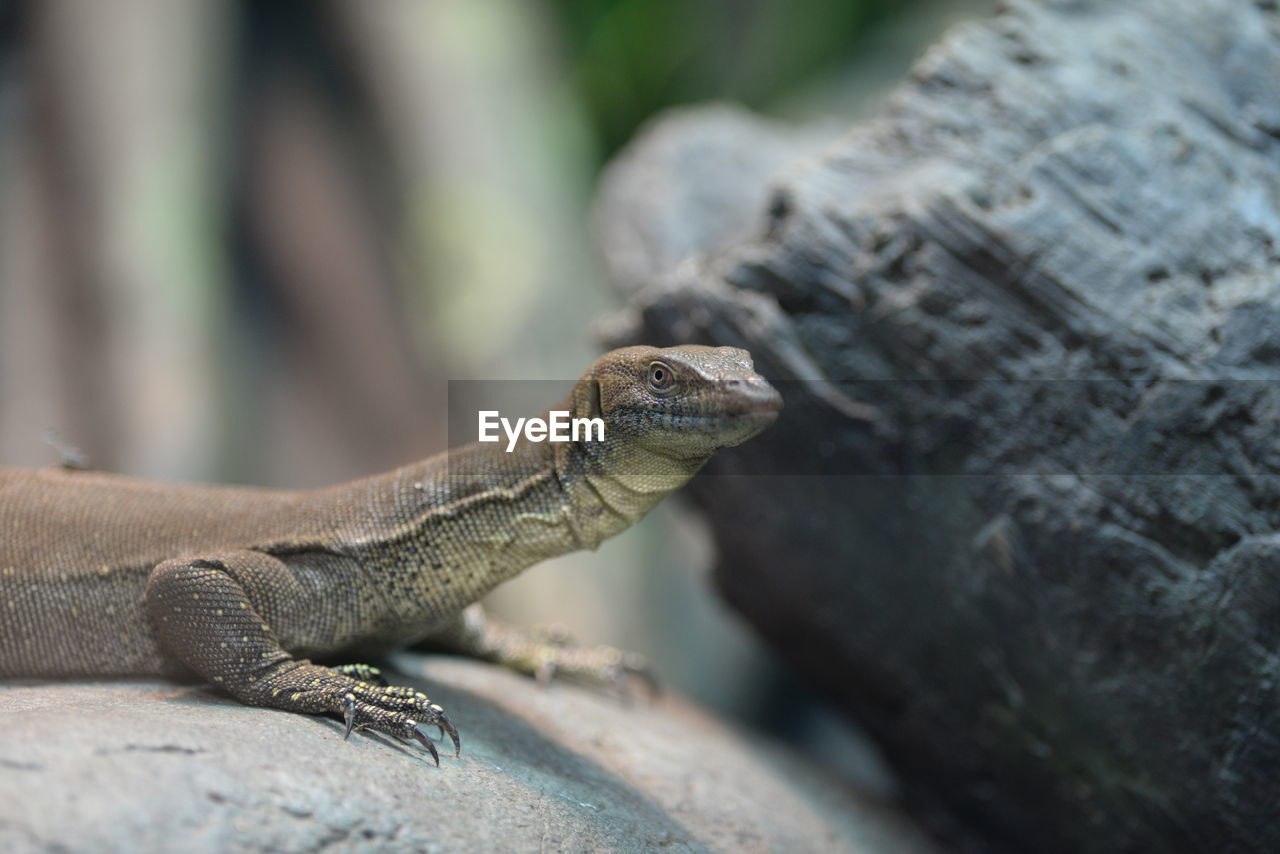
755 398
768 407
748 407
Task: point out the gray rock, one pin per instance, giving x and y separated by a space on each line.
652 216
1045 578
151 766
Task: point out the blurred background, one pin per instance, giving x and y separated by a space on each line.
252 241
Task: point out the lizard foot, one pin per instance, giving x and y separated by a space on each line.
235 649
397 711
601 665
545 653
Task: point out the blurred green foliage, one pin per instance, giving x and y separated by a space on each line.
628 59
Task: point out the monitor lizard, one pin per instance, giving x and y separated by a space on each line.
103 574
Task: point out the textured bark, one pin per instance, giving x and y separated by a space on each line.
1055 603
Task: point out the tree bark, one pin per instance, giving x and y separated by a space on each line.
1047 577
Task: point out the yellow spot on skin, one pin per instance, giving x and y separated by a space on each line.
104 570
275 693
244 638
219 612
295 697
75 612
9 570
217 679
223 644
244 605
12 604
195 595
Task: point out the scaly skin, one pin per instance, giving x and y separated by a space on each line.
102 574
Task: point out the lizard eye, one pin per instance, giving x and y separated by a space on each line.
661 377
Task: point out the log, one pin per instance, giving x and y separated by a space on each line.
1046 574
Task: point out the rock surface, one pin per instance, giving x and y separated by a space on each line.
733 153
151 766
1046 579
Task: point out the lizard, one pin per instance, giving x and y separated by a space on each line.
242 587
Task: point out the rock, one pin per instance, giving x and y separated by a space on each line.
655 217
152 766
1044 578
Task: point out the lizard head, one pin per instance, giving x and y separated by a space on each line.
682 402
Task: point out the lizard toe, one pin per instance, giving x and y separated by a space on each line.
431 714
362 673
399 712
447 726
599 665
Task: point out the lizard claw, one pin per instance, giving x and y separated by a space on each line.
446 725
349 716
545 672
415 730
635 666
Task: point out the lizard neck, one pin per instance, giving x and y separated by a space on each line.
456 525
610 486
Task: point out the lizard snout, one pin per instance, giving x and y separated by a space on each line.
752 395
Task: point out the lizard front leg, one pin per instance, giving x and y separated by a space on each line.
540 654
212 612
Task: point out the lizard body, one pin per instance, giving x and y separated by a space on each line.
103 574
